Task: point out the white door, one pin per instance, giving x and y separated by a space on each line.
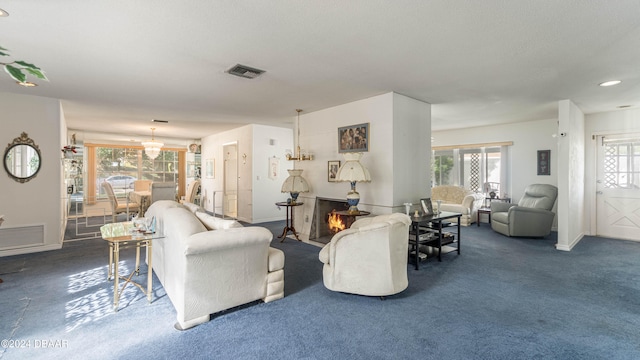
230 195
618 187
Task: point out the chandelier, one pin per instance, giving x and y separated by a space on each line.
299 155
152 148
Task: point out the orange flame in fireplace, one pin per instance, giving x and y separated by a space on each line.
335 222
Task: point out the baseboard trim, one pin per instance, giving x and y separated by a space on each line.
569 247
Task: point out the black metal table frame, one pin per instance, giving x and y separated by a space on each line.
434 219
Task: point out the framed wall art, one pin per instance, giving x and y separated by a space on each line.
332 170
354 138
544 162
210 171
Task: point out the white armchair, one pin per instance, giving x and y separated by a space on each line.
369 258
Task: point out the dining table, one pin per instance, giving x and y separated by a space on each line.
141 197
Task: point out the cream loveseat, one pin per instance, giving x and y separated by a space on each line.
207 264
460 200
369 258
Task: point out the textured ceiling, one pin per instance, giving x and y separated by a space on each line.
117 64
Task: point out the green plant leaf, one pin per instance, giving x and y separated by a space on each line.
15 73
3 54
1 48
37 73
27 65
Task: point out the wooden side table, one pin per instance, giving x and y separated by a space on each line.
289 224
484 210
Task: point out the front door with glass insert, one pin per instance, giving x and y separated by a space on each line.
618 187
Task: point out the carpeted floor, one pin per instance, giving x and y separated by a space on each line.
502 298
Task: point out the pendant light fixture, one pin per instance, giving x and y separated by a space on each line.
299 155
152 148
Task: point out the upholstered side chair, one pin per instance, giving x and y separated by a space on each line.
118 207
163 191
531 217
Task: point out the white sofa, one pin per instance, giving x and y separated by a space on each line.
460 200
369 258
207 264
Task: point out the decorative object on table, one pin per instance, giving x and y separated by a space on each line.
492 195
300 155
23 150
194 148
439 202
152 148
19 69
354 138
407 208
294 184
544 162
332 170
353 171
427 206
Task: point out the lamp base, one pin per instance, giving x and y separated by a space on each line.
353 198
294 197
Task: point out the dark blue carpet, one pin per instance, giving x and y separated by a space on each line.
502 298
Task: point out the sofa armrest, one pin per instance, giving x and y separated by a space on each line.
215 240
467 202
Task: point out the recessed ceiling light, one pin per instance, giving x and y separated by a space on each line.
3 13
610 83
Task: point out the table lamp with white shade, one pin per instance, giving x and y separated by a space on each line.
295 184
353 171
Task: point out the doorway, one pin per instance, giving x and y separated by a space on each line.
618 186
230 182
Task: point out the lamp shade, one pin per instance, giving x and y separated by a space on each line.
352 170
295 184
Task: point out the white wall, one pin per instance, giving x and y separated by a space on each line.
257 194
266 190
613 122
571 196
39 200
398 156
528 138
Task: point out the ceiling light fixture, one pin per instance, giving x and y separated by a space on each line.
299 155
152 148
610 83
26 83
3 13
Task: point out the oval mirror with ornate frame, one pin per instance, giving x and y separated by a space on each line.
22 159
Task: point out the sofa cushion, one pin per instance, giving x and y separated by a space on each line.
194 208
213 223
276 259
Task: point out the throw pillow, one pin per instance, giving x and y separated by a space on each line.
214 223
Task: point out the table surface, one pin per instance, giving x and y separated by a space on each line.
443 215
121 232
284 203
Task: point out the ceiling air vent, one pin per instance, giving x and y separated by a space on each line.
245 71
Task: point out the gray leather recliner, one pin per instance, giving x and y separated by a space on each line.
531 217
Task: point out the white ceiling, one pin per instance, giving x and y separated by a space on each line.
118 64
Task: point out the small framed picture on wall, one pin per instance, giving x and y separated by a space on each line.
544 162
332 171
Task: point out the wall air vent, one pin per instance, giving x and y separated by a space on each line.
245 71
160 121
